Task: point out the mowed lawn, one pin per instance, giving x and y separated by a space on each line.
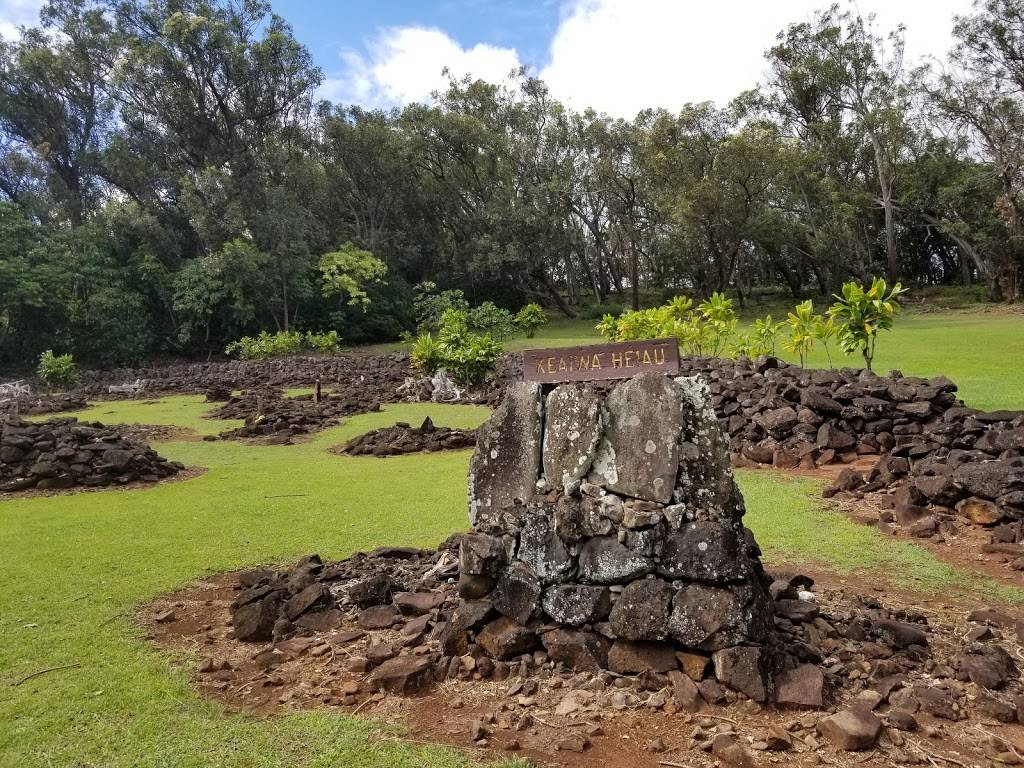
982 350
76 568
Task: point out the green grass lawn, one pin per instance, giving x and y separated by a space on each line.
77 566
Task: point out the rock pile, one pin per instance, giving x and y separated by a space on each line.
616 539
966 467
267 413
39 404
396 621
786 416
64 453
403 438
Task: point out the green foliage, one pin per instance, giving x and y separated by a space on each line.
598 311
706 330
860 314
426 354
346 271
530 318
325 343
429 304
57 370
492 319
760 341
824 330
467 357
801 323
266 345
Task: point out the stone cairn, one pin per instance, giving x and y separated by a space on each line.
612 527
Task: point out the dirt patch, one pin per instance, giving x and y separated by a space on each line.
617 721
153 433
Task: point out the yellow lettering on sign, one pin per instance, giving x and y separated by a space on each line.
561 364
596 362
659 356
540 365
551 365
584 363
629 355
616 360
647 358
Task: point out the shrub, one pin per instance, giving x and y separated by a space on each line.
266 345
326 343
429 305
704 331
598 311
492 319
530 318
467 357
861 313
426 354
57 370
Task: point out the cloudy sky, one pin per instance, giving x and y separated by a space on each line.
618 56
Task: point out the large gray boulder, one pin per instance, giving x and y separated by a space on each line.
639 453
506 463
572 429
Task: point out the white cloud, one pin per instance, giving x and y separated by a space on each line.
404 64
620 56
16 13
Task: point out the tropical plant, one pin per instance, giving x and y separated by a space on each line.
801 331
824 330
861 313
467 357
426 354
530 318
57 370
766 330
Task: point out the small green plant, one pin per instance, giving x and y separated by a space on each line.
706 330
766 331
426 354
801 331
57 370
530 318
860 314
474 360
325 343
824 330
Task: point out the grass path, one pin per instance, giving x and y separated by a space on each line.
77 566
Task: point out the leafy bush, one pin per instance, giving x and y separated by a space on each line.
429 305
760 341
467 357
801 331
426 354
705 330
266 345
57 370
325 343
492 319
861 313
530 318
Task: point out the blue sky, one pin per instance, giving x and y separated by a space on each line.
618 56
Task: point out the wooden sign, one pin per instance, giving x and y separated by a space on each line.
619 360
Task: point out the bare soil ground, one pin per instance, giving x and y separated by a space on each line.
645 732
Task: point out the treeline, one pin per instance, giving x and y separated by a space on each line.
171 182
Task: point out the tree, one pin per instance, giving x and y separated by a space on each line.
55 99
